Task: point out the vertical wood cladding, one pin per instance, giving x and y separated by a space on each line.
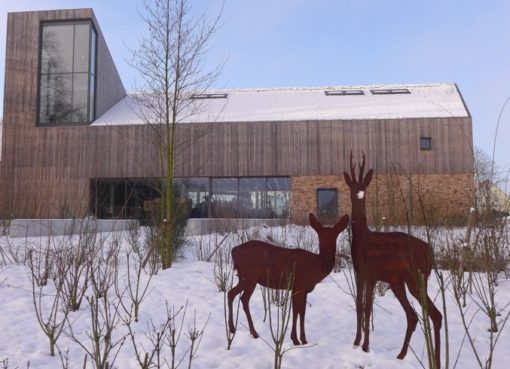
109 87
235 149
323 147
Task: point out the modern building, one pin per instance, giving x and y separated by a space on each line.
75 145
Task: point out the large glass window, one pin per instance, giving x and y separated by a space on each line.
199 197
67 73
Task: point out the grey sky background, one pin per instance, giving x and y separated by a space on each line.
287 43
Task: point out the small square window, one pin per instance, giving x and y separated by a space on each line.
425 143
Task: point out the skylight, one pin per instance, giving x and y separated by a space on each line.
390 91
209 96
343 92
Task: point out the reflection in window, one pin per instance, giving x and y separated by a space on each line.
67 73
126 199
224 197
327 204
253 199
245 197
196 193
199 197
425 143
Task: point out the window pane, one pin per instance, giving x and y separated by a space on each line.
224 198
57 49
81 47
67 85
249 184
55 98
92 91
425 143
278 183
327 205
93 52
253 201
195 192
80 94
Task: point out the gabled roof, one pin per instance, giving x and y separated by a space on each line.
318 103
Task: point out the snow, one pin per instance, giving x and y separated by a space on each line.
330 317
298 104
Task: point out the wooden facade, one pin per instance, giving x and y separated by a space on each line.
47 171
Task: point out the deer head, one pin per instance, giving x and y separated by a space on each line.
328 235
358 186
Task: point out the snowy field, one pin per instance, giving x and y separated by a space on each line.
330 316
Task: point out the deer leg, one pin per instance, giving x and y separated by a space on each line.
302 319
245 299
359 308
295 312
231 296
434 315
399 290
369 299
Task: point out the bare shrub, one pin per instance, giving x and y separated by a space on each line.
223 270
160 343
202 246
151 260
278 311
41 263
134 286
151 354
52 322
104 343
103 267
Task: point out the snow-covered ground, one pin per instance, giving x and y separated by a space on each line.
330 318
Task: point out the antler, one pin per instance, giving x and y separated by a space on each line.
353 167
362 167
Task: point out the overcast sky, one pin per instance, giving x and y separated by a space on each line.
287 43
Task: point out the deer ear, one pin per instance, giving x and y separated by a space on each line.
347 179
368 178
342 223
314 222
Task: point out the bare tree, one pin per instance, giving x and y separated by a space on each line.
170 61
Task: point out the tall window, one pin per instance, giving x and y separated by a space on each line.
67 73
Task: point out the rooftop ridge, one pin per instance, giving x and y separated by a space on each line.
322 88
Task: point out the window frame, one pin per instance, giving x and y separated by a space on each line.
424 139
93 66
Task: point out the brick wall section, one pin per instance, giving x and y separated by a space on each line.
304 195
393 199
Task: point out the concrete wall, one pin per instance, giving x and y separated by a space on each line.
46 227
202 226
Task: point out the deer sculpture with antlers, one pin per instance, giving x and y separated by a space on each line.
259 262
396 258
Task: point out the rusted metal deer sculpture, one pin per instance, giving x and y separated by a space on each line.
259 262
396 258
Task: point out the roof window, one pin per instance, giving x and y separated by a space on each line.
343 92
390 91
208 96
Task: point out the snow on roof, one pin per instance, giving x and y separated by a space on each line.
298 104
